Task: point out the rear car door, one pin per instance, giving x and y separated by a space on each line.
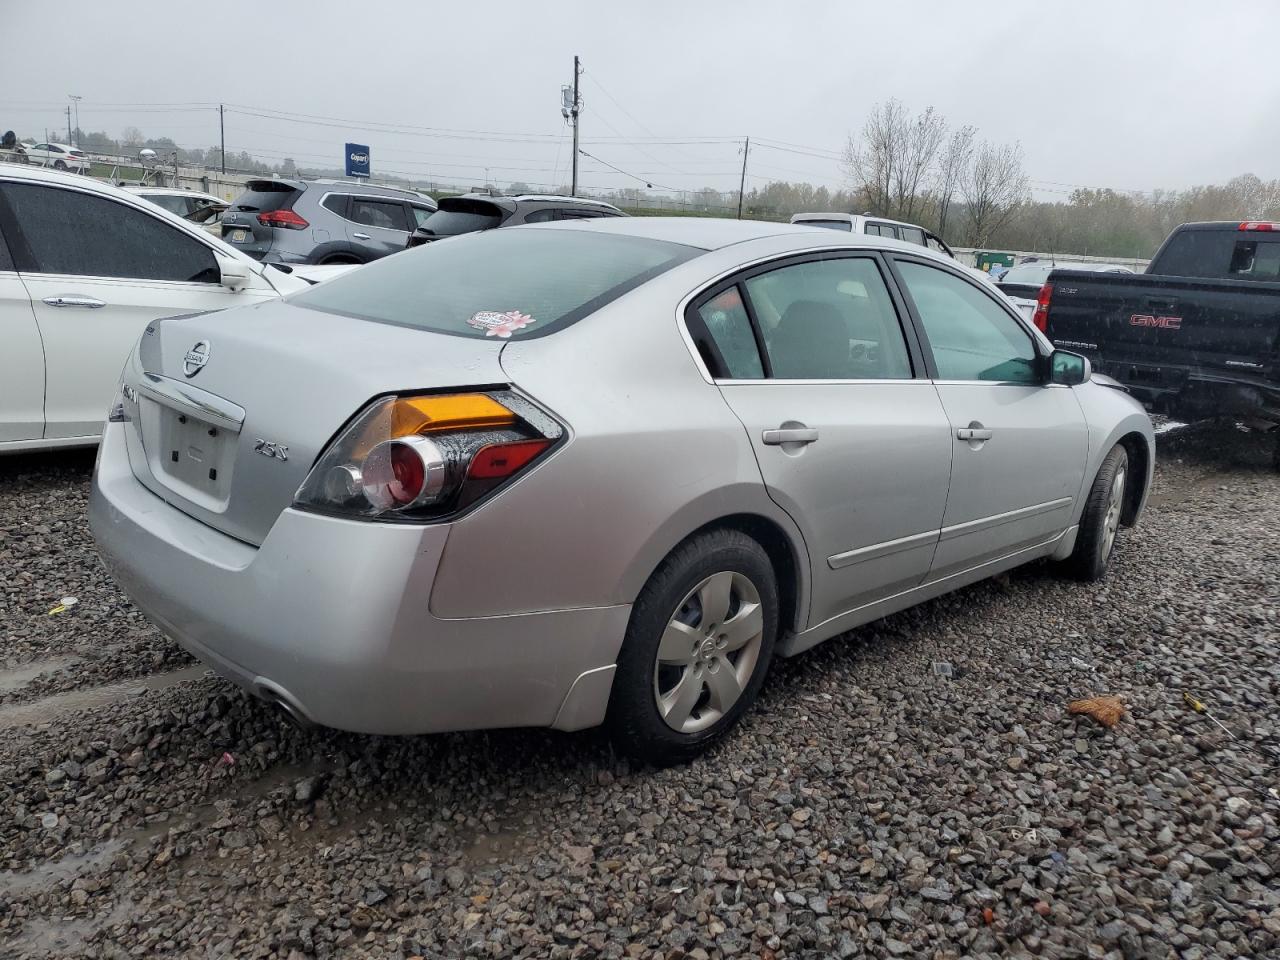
1019 446
97 271
21 358
813 359
377 226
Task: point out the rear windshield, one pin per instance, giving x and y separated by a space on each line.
263 195
521 282
462 216
844 225
1029 273
1195 253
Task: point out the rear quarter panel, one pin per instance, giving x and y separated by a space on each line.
654 453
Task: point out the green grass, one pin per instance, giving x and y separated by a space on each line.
120 173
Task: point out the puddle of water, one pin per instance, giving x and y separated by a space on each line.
68 868
13 678
51 708
59 936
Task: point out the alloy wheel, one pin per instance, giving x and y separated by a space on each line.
708 652
1115 506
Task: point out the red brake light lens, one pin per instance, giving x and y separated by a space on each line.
282 218
1263 225
1041 317
500 460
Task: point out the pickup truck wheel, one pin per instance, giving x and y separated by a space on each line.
1100 521
696 650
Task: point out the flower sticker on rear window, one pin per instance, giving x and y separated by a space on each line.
496 324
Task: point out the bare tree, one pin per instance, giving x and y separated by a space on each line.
918 143
132 137
993 189
952 168
871 160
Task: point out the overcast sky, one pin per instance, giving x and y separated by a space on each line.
1133 95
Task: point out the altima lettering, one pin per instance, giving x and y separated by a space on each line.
1166 323
277 451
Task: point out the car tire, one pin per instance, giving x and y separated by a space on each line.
717 592
59 165
1100 520
340 258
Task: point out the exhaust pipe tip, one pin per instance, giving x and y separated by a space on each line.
292 715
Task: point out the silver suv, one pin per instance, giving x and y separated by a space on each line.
280 220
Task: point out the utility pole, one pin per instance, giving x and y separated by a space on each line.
575 110
76 100
68 124
222 137
742 185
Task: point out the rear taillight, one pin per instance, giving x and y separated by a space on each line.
282 218
1041 317
422 457
1264 225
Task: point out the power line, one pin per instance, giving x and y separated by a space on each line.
633 176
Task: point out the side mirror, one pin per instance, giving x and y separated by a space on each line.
1069 369
235 275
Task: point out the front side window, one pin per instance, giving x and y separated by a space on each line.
498 283
385 214
972 338
80 234
726 320
829 320
173 204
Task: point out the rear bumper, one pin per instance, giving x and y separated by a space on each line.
331 616
1192 392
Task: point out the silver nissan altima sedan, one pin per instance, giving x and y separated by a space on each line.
599 472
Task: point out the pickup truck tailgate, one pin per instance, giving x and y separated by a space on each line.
1161 320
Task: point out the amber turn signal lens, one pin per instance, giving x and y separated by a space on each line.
459 411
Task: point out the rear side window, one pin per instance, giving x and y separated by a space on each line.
912 235
179 205
725 318
80 234
384 214
844 225
829 320
1255 260
263 195
498 284
336 203
463 216
1196 253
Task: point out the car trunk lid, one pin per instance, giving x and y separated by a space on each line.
233 408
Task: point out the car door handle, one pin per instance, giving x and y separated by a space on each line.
973 433
93 303
360 236
783 435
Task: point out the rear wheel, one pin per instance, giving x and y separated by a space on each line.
697 648
1100 521
59 165
339 259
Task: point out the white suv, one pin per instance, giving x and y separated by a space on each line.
60 156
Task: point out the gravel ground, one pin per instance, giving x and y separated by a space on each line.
868 807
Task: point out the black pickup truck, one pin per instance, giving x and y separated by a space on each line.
1196 336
